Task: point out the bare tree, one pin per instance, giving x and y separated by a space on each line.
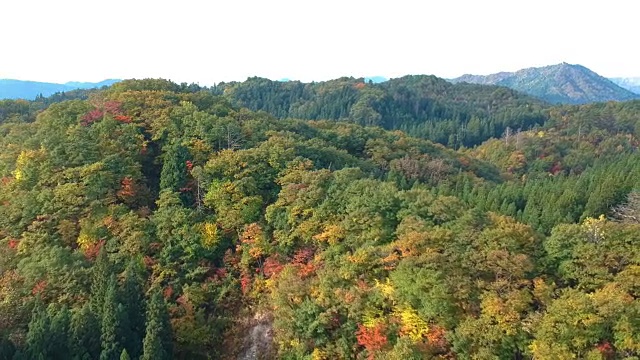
628 212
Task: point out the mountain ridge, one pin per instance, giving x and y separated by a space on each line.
561 84
25 89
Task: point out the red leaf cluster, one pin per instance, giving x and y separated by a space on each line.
606 350
113 108
373 339
122 118
13 243
39 287
271 266
127 188
245 282
92 116
92 251
168 292
436 338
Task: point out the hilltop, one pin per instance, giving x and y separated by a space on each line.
562 84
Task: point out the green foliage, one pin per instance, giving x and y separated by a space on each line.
157 340
157 220
113 321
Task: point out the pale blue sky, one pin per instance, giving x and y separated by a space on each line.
212 41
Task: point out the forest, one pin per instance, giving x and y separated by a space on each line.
412 219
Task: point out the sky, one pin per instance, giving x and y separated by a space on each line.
209 41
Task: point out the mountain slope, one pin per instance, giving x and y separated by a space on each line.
563 83
424 106
632 84
19 89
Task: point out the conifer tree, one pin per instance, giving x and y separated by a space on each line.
111 323
174 168
84 334
38 334
58 342
124 355
157 341
100 276
133 301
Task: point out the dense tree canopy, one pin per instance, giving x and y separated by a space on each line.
155 220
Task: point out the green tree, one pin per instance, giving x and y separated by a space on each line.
37 341
174 167
112 318
157 343
84 334
133 301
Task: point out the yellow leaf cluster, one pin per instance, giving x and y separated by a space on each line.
332 234
413 325
385 288
210 235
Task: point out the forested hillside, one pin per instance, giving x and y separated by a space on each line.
153 220
424 106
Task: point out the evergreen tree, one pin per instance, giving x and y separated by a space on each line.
58 342
84 334
124 355
100 276
111 323
174 168
38 334
157 341
133 301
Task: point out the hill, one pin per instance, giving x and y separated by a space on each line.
160 221
631 83
562 84
421 105
19 89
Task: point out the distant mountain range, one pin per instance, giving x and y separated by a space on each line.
632 84
563 83
18 89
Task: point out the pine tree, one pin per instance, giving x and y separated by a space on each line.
38 334
157 341
174 168
133 301
124 355
100 276
58 342
111 323
84 334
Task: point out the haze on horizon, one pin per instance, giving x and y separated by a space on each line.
208 42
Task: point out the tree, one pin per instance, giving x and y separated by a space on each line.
124 355
59 332
37 346
100 277
157 343
84 334
133 301
174 168
629 212
112 318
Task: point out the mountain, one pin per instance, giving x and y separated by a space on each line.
421 105
241 233
632 83
563 84
90 85
19 89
